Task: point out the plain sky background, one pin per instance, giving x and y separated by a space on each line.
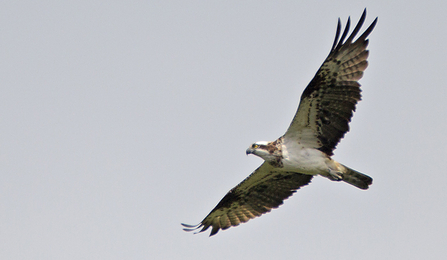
120 120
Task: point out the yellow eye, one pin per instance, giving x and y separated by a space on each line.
255 146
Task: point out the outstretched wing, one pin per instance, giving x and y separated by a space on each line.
328 102
265 189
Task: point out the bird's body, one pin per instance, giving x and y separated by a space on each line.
292 156
290 162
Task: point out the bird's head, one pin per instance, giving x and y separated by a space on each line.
265 150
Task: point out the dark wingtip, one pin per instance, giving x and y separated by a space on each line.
357 27
363 15
339 43
189 228
369 30
337 34
345 33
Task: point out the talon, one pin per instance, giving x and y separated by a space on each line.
335 176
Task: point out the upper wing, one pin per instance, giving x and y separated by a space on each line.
328 102
266 188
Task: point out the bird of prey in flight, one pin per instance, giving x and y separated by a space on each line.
290 162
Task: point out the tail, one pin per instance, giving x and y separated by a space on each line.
356 178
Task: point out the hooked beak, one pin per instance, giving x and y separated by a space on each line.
249 151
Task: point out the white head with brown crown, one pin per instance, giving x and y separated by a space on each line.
269 151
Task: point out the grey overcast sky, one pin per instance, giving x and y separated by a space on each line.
122 119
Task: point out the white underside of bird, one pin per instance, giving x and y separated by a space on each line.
296 157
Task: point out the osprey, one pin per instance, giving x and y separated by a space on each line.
322 119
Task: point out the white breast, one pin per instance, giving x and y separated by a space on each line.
303 159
